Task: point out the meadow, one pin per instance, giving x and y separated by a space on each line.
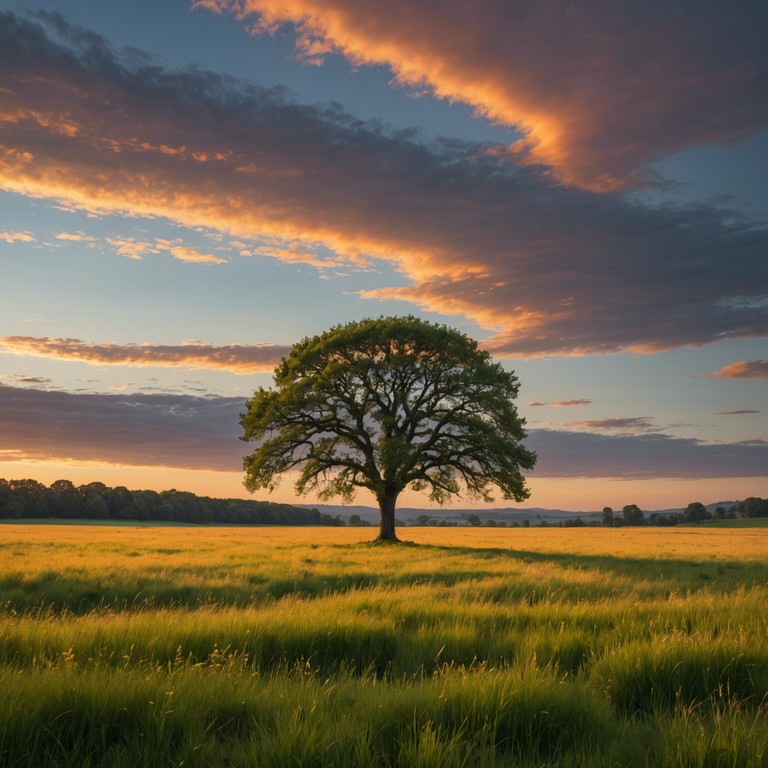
171 646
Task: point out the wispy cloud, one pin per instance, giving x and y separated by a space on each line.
599 88
539 265
295 254
190 255
19 378
630 424
734 413
235 358
132 248
563 403
184 253
745 369
76 237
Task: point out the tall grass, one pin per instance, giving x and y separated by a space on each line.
141 646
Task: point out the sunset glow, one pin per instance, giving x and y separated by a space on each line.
581 190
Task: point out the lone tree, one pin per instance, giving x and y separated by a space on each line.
387 404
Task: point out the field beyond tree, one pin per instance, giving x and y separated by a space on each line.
311 647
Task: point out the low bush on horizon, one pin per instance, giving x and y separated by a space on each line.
310 647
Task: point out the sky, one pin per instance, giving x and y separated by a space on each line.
189 188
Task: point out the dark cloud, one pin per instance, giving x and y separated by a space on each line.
600 87
202 433
585 454
21 379
734 413
552 269
135 429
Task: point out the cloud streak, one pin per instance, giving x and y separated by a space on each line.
599 88
182 252
185 431
632 424
745 369
545 268
75 237
191 256
292 254
234 358
20 378
562 403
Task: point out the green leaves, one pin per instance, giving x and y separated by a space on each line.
385 404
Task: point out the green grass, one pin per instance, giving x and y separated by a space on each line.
747 522
157 647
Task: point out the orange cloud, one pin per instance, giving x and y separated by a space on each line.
547 269
75 237
295 254
745 369
16 237
182 253
598 88
235 358
132 248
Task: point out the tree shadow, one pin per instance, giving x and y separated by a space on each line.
718 575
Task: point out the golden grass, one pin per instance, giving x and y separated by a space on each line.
70 545
626 635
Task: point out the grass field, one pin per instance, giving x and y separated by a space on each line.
143 646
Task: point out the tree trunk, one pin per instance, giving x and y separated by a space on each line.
387 501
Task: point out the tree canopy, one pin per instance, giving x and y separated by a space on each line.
695 512
388 404
633 515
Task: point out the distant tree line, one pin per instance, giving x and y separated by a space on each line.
695 512
96 501
629 515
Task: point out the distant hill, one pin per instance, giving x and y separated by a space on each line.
410 514
509 514
710 507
